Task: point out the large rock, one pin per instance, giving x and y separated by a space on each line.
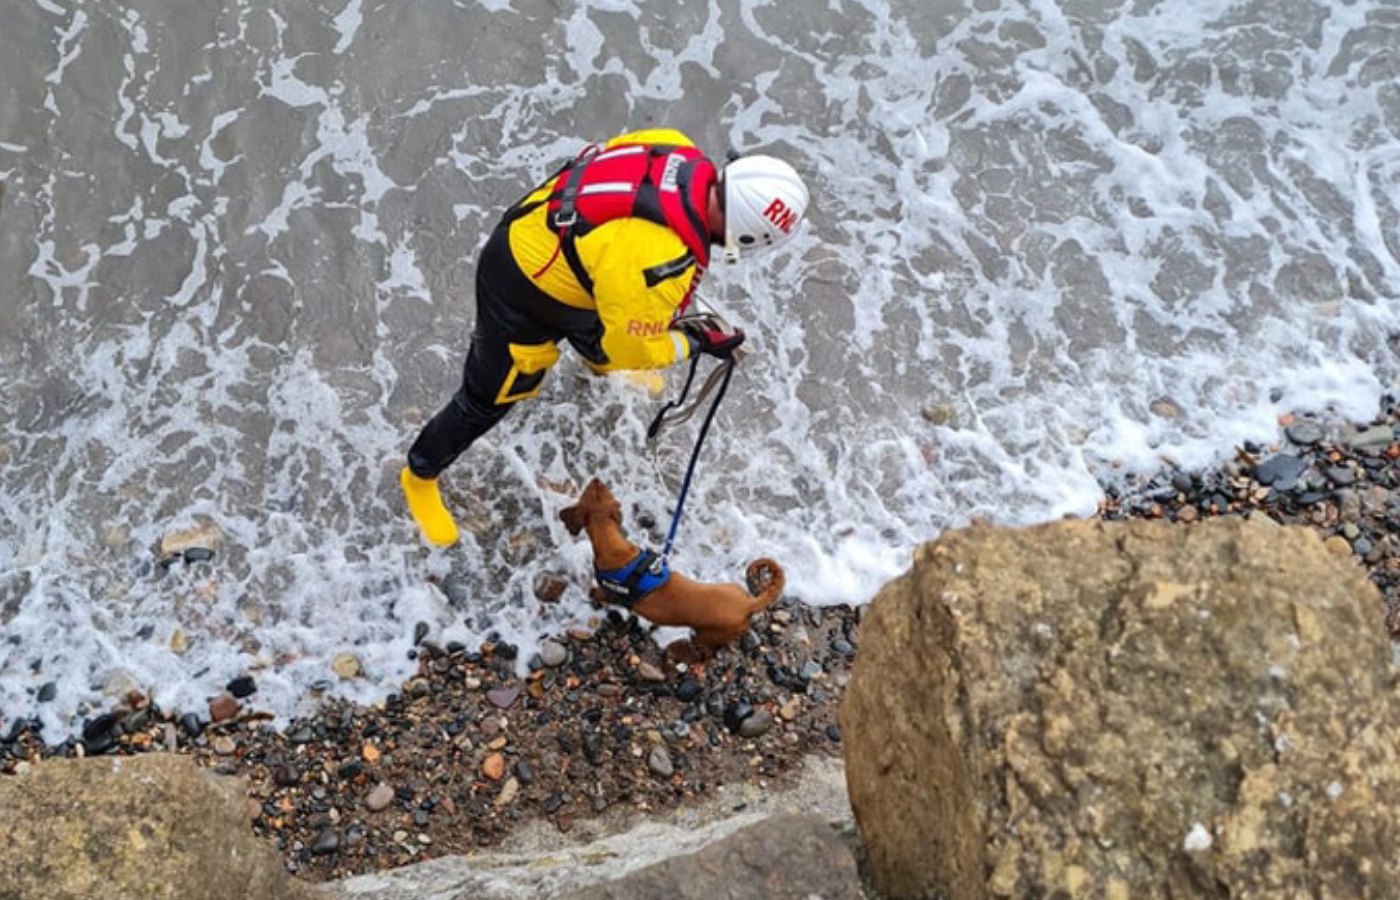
784 858
146 827
1126 710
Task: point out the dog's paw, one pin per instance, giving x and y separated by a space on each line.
759 575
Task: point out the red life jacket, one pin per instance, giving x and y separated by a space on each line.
662 183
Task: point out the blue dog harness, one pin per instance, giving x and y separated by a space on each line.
631 584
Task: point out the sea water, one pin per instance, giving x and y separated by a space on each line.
1051 244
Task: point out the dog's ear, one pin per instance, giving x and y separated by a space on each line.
573 518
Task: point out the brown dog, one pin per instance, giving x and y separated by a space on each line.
718 613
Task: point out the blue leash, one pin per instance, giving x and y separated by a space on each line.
655 427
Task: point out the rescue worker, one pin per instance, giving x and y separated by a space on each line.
606 255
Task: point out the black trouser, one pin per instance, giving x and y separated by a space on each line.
513 346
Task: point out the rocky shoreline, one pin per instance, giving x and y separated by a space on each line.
468 751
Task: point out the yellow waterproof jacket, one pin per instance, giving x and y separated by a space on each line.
636 316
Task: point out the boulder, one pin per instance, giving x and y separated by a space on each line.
789 857
1126 710
147 827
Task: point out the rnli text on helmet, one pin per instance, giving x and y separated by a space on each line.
780 215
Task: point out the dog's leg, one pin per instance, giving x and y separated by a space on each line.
689 651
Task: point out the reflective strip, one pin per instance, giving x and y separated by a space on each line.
621 151
682 345
609 187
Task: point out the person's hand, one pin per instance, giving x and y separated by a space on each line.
717 343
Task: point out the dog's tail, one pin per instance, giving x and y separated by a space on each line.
766 581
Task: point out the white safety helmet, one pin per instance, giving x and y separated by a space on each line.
764 204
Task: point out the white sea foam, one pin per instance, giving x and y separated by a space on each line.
1088 240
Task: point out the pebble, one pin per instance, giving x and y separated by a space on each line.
659 761
346 665
649 672
508 792
47 692
1341 476
688 690
224 745
553 654
1305 432
494 766
1280 472
380 797
192 725
756 724
222 708
241 687
790 710
328 841
137 721
99 726
503 697
420 631
1337 545
735 714
1376 437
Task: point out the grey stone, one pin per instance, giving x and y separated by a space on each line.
328 841
553 654
379 798
783 858
1374 438
1282 471
1305 432
756 724
659 761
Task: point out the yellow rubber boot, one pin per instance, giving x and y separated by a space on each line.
425 503
645 381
